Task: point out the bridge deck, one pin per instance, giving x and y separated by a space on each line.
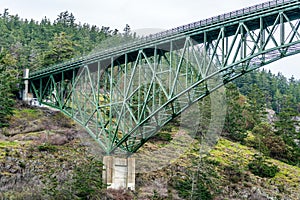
211 25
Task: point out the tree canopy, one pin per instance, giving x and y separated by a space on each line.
35 45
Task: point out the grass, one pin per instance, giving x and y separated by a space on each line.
288 176
226 152
28 114
7 144
286 181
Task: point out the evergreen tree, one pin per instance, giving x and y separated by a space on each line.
234 126
62 48
8 87
256 106
286 125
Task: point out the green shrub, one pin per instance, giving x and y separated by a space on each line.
184 187
202 192
84 183
47 147
213 162
186 191
22 164
87 179
163 137
260 167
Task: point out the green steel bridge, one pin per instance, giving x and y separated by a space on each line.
122 96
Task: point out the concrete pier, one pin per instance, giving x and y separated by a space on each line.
25 92
119 172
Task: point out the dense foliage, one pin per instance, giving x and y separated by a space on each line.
86 183
275 135
263 112
8 87
35 45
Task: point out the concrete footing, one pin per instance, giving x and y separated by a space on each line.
119 172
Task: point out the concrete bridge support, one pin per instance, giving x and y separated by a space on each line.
119 172
26 84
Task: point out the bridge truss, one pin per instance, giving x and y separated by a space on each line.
123 96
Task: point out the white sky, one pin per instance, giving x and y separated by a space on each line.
139 14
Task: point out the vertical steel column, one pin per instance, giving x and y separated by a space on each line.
110 129
62 85
187 61
170 65
262 36
204 54
223 45
155 66
139 86
282 31
40 98
73 91
98 99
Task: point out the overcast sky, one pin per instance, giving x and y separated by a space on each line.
139 14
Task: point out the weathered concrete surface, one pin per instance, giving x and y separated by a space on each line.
119 172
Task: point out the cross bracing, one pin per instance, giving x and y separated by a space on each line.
123 96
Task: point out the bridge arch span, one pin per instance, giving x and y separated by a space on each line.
124 95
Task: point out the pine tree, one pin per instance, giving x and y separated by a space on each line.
256 106
8 87
234 125
61 48
286 124
286 129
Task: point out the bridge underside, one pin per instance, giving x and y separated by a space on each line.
125 97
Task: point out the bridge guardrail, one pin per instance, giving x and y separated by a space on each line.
172 32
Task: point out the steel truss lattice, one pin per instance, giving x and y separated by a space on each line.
124 96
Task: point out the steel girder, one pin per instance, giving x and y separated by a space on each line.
123 99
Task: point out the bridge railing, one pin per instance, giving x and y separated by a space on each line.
219 18
171 32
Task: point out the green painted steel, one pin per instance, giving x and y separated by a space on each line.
124 95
